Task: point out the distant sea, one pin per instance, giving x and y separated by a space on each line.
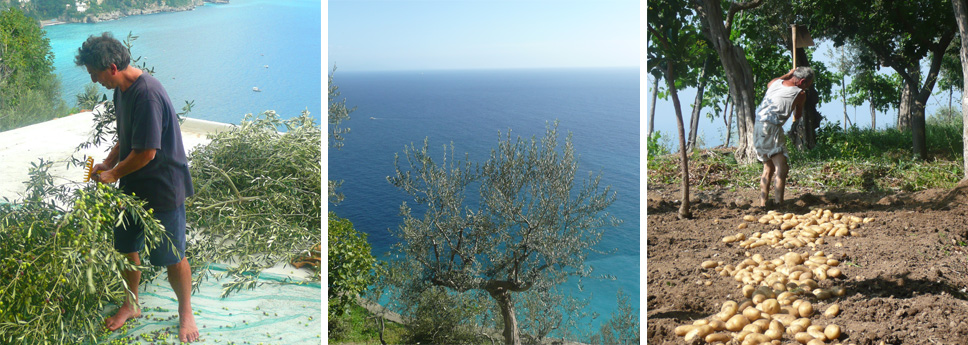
600 107
215 55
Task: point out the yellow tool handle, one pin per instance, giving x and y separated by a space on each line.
89 166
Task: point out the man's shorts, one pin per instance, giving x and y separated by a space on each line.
132 238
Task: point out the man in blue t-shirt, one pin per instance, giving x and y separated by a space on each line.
149 160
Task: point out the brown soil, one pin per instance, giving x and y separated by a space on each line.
905 273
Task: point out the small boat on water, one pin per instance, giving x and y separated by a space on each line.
256 89
266 66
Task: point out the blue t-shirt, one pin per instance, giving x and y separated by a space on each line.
147 120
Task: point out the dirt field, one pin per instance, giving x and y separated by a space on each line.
905 274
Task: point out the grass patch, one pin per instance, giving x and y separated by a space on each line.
359 326
851 160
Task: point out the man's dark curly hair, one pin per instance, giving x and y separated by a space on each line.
99 52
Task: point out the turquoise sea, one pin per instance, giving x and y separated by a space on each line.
599 107
215 55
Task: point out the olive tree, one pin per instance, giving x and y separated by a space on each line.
514 223
337 114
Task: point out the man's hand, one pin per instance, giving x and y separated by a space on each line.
106 176
97 169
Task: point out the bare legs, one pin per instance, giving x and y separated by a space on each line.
180 278
130 309
774 170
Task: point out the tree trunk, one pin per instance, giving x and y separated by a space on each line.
961 17
684 211
917 130
873 111
922 95
655 94
728 117
843 98
697 106
905 115
739 75
503 298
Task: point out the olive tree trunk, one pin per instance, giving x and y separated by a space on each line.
739 75
503 298
961 17
684 211
697 106
655 94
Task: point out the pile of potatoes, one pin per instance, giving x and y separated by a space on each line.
779 293
789 271
796 231
764 322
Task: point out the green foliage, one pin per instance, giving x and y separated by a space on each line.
33 105
855 159
834 143
951 78
550 311
946 116
359 326
337 114
90 97
351 265
622 327
29 92
257 197
424 306
440 316
58 267
878 90
654 147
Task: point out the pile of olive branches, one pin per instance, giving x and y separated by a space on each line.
258 198
58 268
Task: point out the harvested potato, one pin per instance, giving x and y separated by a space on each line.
832 311
717 338
736 323
805 309
816 333
832 331
683 330
751 313
802 337
770 306
698 333
717 325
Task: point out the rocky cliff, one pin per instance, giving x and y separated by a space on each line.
94 18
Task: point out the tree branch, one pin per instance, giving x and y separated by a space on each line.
736 7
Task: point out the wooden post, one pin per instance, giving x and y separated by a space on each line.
794 40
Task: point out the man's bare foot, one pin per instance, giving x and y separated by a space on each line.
767 204
122 315
187 330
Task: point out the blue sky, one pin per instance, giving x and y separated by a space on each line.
366 35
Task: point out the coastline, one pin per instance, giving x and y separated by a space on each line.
113 15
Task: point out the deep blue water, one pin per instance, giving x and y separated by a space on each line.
215 55
600 107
